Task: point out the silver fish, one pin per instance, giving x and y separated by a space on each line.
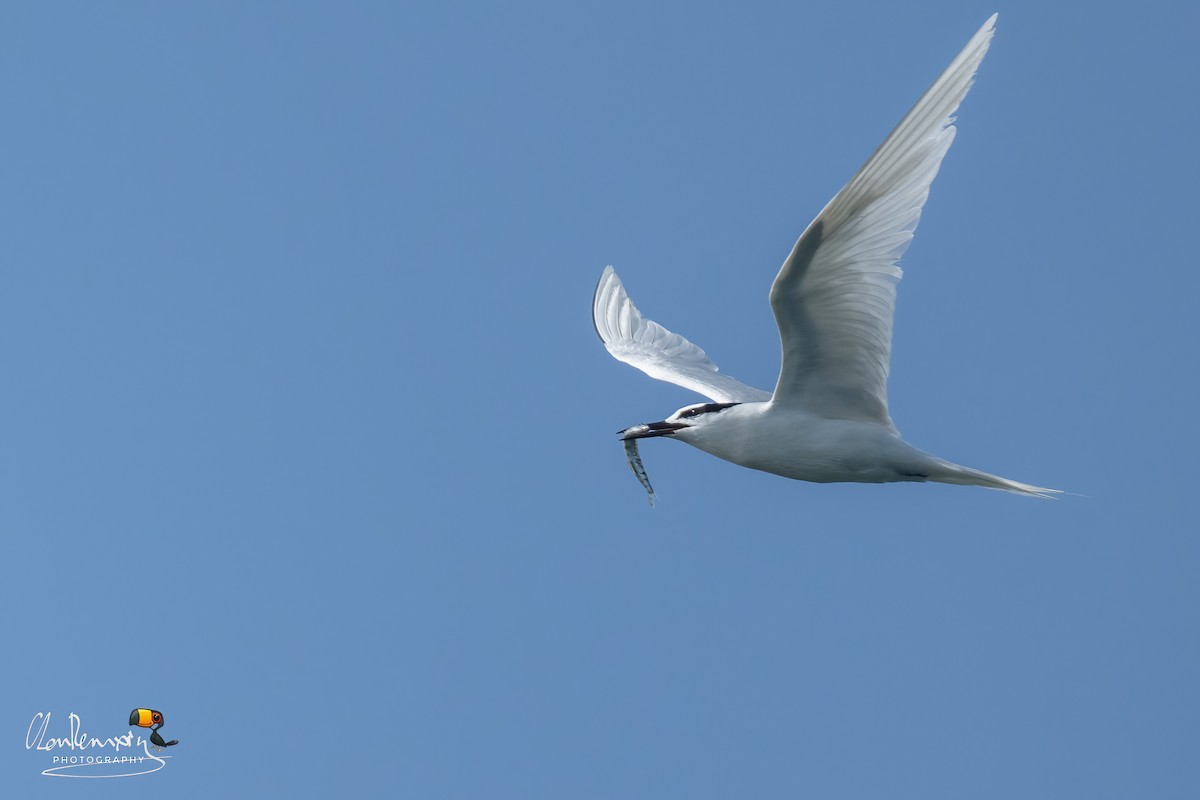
635 464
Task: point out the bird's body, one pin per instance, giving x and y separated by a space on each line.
833 298
796 444
789 441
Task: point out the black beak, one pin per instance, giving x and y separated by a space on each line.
650 429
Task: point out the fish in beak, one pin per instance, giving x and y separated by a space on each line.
650 429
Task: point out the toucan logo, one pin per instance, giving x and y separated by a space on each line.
149 718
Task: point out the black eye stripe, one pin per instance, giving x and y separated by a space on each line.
706 408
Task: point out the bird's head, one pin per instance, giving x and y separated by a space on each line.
693 417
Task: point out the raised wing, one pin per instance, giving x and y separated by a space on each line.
653 349
835 294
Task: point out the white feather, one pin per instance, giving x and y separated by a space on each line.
835 294
653 349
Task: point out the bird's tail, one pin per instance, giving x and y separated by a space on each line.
965 476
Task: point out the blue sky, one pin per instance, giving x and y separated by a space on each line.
309 438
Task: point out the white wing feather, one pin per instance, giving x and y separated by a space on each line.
835 295
653 349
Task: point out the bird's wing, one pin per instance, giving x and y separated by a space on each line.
653 349
834 296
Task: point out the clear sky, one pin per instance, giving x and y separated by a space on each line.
308 439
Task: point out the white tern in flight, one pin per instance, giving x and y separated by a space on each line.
833 299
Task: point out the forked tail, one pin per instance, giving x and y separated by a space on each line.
965 476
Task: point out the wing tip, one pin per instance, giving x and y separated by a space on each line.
600 298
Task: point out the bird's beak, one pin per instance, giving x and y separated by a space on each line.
650 429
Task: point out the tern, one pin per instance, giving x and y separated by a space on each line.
834 298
